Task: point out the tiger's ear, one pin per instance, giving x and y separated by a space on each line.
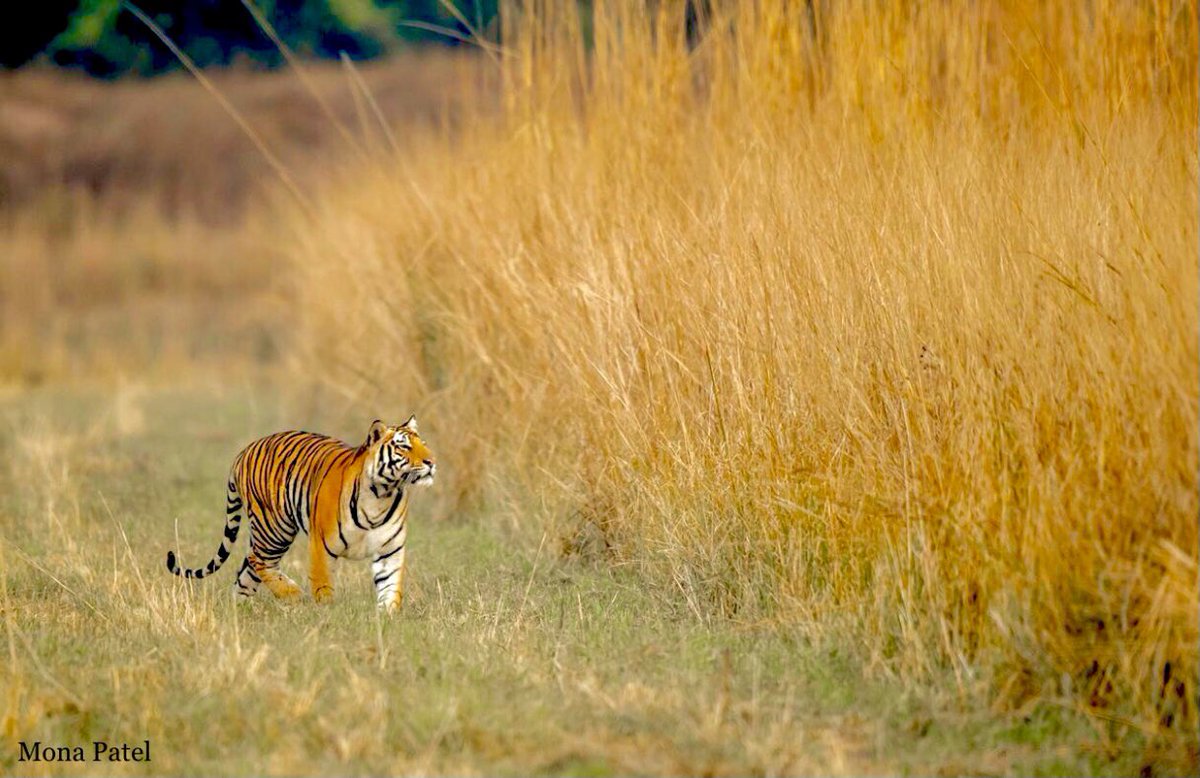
411 424
377 430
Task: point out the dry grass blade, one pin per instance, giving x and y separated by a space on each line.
365 93
266 26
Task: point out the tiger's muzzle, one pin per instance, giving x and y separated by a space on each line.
423 476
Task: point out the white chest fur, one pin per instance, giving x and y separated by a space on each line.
373 525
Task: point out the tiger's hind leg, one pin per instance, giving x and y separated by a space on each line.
269 541
247 580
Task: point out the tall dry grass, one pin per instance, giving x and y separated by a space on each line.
860 317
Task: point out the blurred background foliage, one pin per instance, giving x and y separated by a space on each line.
103 39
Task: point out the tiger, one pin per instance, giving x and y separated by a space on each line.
351 501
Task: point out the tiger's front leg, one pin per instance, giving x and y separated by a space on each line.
389 580
319 582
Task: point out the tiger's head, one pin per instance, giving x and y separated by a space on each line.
397 456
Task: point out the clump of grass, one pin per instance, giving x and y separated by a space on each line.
879 321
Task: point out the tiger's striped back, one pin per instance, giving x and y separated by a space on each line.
279 476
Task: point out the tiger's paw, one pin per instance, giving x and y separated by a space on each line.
323 594
285 590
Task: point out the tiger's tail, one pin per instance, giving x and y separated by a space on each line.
233 522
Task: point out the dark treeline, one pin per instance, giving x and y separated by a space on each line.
103 38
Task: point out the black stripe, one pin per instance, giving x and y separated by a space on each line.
391 510
270 531
300 460
390 553
354 507
394 534
270 545
383 577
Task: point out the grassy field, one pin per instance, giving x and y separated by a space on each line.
510 657
813 386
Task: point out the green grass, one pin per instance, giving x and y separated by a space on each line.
506 659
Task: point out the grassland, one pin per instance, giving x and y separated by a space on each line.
815 392
510 658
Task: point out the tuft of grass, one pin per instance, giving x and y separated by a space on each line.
876 321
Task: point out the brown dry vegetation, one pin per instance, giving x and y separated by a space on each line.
124 141
135 227
873 322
